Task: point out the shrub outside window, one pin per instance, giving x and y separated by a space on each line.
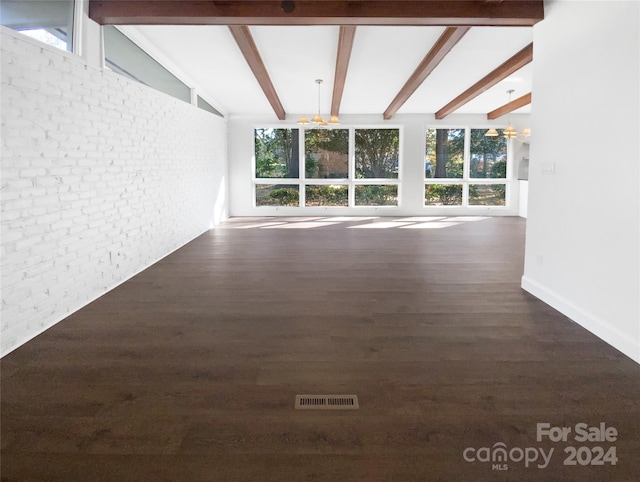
277 195
327 195
487 194
376 195
443 195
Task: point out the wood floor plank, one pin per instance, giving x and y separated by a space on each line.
189 370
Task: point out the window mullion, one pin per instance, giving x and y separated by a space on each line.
302 171
352 166
466 167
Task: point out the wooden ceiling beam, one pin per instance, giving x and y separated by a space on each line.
345 45
510 106
440 49
245 41
515 63
314 12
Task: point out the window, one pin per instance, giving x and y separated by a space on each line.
326 153
377 195
343 167
48 21
459 163
443 195
488 155
377 153
277 153
445 153
204 105
277 195
126 58
327 195
487 195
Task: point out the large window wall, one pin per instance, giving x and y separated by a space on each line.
478 177
340 167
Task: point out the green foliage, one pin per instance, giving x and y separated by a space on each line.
276 152
327 196
451 154
312 167
386 195
499 169
284 197
334 140
488 155
377 153
487 194
326 153
444 155
443 195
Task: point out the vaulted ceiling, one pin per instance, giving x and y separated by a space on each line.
375 57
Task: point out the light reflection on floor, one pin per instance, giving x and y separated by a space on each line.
301 225
352 222
436 225
380 225
255 225
426 219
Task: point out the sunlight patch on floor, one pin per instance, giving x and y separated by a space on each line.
301 225
343 219
351 222
418 219
301 219
381 225
439 225
469 218
256 225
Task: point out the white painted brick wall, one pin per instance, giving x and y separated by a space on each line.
100 178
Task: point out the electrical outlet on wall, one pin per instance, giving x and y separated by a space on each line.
548 168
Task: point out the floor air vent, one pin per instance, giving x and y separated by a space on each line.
326 402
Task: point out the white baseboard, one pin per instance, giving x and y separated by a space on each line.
598 327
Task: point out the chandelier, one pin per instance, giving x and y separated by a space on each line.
318 119
509 132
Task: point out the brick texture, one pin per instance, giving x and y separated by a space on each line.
101 177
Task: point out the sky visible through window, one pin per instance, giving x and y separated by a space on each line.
43 36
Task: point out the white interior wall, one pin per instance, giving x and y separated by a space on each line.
101 177
524 198
412 152
583 244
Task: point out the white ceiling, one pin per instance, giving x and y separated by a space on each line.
382 60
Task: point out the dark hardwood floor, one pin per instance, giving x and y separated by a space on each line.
188 372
